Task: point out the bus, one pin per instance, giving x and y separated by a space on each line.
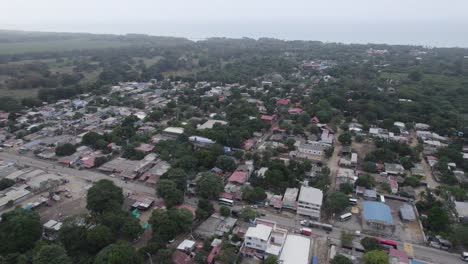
345 217
352 201
386 243
225 201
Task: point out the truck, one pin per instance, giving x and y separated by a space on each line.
306 231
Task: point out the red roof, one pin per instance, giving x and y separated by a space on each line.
180 257
4 115
212 255
315 120
238 176
145 147
221 99
268 118
226 195
248 144
282 101
295 110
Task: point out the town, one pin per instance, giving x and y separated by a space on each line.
205 152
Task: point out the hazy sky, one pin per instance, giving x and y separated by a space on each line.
335 20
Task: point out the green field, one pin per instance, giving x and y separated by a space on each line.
59 45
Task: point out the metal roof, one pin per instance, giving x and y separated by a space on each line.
377 212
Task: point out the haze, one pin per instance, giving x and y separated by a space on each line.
430 22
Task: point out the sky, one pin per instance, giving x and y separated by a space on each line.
426 22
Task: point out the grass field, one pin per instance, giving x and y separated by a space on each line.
19 93
59 45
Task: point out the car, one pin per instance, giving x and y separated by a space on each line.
304 223
171 241
59 174
357 233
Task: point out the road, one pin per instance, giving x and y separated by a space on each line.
333 162
430 255
88 175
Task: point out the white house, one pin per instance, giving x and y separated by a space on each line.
310 202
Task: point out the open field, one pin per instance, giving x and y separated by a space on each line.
58 45
19 93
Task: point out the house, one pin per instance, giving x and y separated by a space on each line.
290 198
50 230
186 246
394 169
282 101
462 211
239 177
263 239
268 118
310 202
407 213
146 148
315 120
295 111
173 131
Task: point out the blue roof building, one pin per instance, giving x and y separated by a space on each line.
377 214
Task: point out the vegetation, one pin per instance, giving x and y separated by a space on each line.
376 257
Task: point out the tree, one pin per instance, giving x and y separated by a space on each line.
346 238
19 230
340 259
415 75
120 253
99 237
345 139
104 196
91 139
167 224
227 255
225 163
210 185
290 143
225 211
253 195
248 214
52 254
437 220
178 176
122 223
370 243
376 257
167 189
6 183
65 149
164 256
270 260
346 188
204 209
459 235
336 202
369 166
365 180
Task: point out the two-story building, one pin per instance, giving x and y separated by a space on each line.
310 202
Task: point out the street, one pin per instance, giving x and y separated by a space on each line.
87 175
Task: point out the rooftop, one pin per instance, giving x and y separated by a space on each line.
377 212
311 195
259 231
210 123
295 250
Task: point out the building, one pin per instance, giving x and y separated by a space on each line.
295 250
394 169
211 123
290 198
462 211
377 215
173 131
310 202
263 239
51 229
407 213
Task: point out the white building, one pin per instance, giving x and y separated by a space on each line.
295 250
310 202
263 239
290 198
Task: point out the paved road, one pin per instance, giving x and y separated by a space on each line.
430 255
132 187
